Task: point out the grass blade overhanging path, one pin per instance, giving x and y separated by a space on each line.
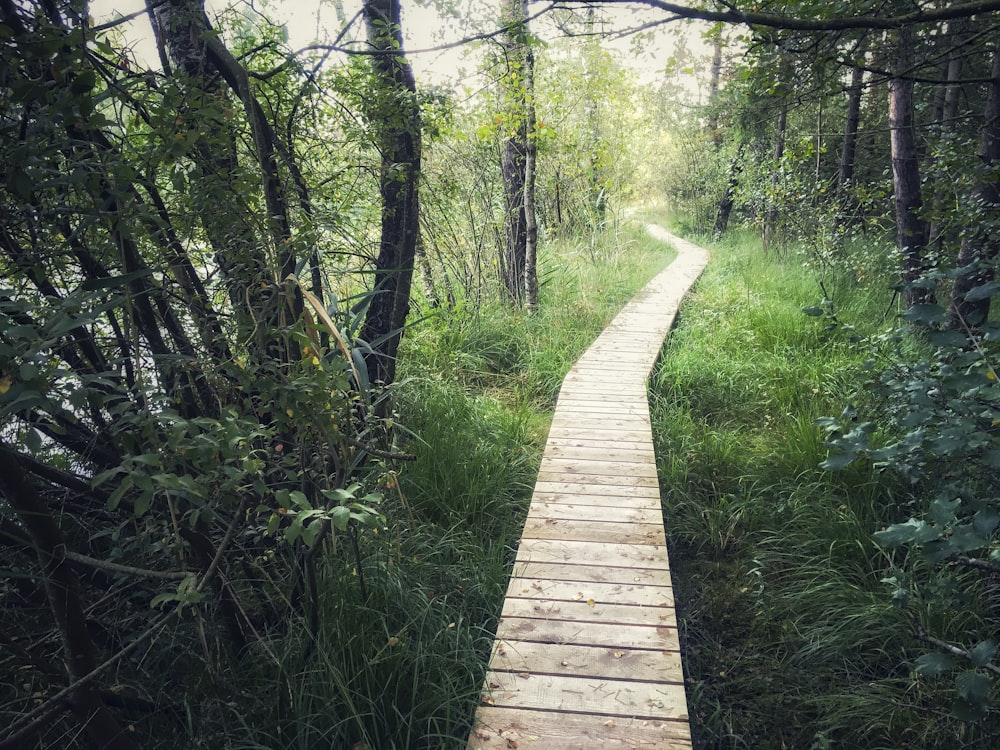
587 652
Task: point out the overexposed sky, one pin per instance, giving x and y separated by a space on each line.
309 21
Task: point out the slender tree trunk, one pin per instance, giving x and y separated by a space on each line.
980 247
728 195
515 150
911 235
852 122
714 80
395 121
530 218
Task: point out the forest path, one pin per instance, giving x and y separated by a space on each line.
586 652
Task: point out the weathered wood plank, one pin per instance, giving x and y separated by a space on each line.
558 448
580 530
588 633
577 591
643 700
563 432
585 611
600 466
601 500
500 728
611 513
595 553
619 480
583 572
607 490
587 661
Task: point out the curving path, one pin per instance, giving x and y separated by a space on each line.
586 652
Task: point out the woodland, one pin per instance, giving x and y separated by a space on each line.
281 330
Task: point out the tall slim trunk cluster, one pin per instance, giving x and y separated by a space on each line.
517 166
911 231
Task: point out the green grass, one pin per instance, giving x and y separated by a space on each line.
790 638
403 668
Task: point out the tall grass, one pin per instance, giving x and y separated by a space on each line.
401 664
790 637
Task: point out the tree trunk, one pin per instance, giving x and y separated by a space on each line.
513 164
395 120
714 80
980 247
910 229
530 219
852 120
728 195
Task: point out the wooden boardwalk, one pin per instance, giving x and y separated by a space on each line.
586 652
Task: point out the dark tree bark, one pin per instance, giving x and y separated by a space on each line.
980 247
714 81
530 159
395 122
911 232
728 196
514 158
848 152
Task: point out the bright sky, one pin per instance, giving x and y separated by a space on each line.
308 21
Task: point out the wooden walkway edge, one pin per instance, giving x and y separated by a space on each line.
586 652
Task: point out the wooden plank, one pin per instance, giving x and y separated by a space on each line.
587 633
598 500
602 405
559 448
594 553
618 615
580 530
589 421
633 698
617 480
500 728
607 490
603 437
597 466
578 591
583 573
587 661
611 513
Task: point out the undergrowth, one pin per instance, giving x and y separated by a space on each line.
403 642
790 637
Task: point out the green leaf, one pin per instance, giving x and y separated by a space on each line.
973 686
983 652
339 517
913 530
933 664
838 461
927 314
84 82
983 291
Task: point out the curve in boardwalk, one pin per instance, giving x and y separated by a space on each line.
586 652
